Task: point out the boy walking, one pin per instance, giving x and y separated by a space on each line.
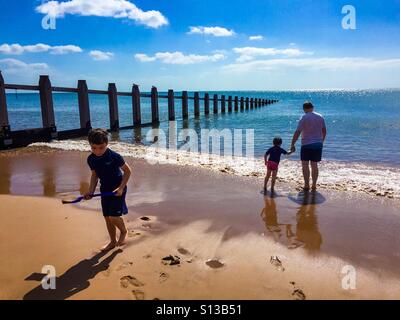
106 166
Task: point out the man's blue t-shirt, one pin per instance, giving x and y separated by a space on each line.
275 154
107 168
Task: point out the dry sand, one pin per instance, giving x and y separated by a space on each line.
198 216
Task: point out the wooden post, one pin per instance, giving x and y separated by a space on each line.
215 103
206 104
247 103
154 106
137 117
113 107
222 104
229 103
171 105
252 103
196 103
4 122
185 113
236 103
46 105
83 102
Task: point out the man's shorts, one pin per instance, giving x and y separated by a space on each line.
311 152
114 206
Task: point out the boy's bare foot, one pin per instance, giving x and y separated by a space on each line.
306 188
108 247
121 240
314 188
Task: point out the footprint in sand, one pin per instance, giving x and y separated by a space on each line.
171 260
124 265
163 277
144 218
139 294
214 264
130 280
277 263
132 233
297 293
183 251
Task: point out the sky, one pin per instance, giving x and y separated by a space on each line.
203 44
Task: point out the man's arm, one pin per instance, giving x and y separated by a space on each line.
323 133
296 136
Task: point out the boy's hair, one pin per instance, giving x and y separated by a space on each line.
308 105
98 136
277 141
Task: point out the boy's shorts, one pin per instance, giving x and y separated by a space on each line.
311 152
114 206
272 165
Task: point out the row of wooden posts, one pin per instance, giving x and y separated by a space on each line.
11 138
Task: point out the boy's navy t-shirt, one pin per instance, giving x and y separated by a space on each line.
275 153
107 168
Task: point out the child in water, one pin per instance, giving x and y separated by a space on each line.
272 158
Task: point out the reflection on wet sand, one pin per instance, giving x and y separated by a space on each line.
307 234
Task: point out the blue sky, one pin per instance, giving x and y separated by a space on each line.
202 44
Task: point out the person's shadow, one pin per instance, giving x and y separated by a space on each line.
307 230
307 233
74 280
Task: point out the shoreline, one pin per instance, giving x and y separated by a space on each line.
197 214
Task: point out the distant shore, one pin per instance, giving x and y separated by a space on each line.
198 215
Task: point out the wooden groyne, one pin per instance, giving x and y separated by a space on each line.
16 138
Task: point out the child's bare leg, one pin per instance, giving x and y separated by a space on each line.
266 179
273 179
112 233
119 223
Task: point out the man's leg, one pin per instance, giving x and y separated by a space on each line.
314 173
119 223
112 233
306 174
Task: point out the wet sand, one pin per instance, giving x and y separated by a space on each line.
197 215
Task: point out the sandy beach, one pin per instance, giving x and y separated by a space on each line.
224 233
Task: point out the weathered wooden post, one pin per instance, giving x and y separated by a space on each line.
229 103
236 103
154 106
196 104
137 117
113 107
171 105
215 103
83 102
185 113
247 103
241 103
4 122
46 105
223 104
206 104
252 103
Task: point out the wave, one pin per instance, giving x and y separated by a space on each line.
334 175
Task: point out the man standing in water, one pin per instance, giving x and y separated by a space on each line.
313 132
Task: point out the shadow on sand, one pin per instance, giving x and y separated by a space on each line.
74 280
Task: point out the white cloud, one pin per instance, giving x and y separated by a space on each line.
13 66
16 49
249 53
104 8
178 57
256 38
215 31
347 63
101 55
